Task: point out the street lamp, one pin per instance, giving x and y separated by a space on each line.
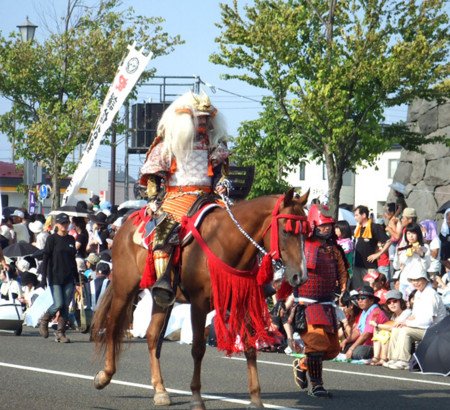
27 29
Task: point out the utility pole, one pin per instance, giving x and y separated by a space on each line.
127 135
113 164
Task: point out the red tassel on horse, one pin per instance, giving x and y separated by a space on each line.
149 275
265 271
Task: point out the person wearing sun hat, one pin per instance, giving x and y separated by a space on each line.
40 235
360 346
428 309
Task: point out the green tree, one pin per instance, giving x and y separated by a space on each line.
57 86
332 68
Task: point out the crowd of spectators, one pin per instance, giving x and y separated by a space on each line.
399 286
398 276
25 277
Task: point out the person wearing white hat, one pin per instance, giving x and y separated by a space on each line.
428 309
20 227
40 236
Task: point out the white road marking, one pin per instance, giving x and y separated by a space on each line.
139 385
380 376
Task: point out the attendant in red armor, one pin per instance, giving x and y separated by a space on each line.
327 272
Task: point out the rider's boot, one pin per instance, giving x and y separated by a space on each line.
162 290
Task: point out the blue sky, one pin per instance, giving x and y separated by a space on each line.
194 21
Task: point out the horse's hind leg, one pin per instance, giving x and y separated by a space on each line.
198 319
253 380
156 327
113 331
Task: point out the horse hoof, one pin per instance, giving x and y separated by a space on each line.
255 406
101 380
197 405
162 399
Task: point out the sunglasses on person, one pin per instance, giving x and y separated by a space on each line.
362 297
390 301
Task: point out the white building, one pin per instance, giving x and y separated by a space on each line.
368 186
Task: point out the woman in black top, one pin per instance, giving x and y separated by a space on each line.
60 272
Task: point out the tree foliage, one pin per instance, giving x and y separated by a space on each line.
332 68
57 86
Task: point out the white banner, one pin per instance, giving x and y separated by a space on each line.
127 75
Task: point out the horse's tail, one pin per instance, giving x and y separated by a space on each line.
101 329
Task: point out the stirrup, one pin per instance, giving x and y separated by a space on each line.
299 375
163 294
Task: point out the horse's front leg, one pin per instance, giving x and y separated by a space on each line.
253 380
198 319
156 327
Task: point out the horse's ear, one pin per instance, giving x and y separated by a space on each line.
304 198
288 196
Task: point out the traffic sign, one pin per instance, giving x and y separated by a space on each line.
43 191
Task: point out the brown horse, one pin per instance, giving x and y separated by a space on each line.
224 239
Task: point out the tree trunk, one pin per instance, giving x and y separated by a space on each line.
56 184
334 174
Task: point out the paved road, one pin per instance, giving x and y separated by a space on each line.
40 374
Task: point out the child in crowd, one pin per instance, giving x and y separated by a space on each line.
91 265
398 312
378 282
344 239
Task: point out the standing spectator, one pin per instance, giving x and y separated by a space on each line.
444 236
409 216
40 236
327 268
428 309
60 268
99 284
81 236
91 265
362 347
20 227
94 203
5 236
100 233
411 258
367 235
431 238
344 239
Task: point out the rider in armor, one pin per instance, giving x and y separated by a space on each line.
189 158
327 272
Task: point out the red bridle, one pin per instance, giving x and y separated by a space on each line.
295 224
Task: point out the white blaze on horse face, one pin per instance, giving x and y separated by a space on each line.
303 269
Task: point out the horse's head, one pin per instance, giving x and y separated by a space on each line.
289 230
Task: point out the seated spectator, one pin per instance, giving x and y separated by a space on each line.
428 309
378 282
348 325
362 347
398 312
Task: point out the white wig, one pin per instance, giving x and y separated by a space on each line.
178 124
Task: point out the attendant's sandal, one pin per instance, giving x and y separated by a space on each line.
319 391
375 361
299 375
